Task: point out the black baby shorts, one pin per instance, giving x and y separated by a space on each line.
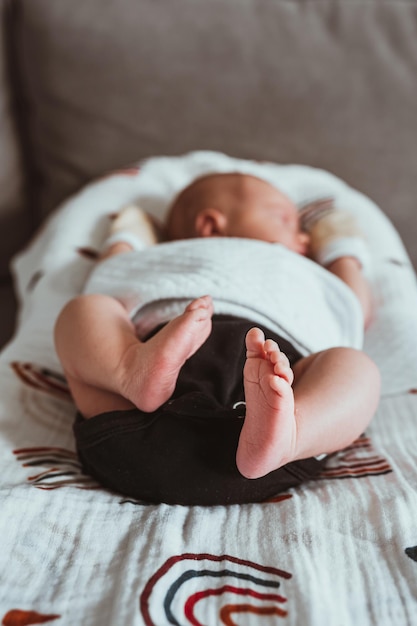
184 452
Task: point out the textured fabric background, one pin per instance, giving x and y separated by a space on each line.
14 222
329 84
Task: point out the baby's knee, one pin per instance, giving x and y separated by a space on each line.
84 305
79 310
365 368
374 375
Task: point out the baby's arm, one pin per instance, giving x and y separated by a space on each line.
131 229
337 243
350 271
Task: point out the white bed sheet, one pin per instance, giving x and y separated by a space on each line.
341 550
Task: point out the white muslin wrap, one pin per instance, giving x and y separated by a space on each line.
265 283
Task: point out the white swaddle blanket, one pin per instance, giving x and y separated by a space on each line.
265 283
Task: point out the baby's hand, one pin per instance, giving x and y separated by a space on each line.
337 235
134 226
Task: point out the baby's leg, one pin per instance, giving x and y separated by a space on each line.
108 368
334 396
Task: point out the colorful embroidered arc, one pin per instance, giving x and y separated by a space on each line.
412 553
88 253
356 461
63 468
41 378
17 617
185 581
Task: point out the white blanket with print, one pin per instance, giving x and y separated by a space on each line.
338 550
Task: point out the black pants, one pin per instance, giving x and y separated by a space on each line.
184 452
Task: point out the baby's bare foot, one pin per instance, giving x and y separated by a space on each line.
152 368
267 439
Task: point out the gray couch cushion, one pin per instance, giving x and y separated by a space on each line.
331 84
14 221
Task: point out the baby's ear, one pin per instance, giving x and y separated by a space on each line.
210 223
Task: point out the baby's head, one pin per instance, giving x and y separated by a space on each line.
236 205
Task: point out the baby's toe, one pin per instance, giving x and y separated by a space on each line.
255 342
283 360
279 358
203 302
271 347
283 370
